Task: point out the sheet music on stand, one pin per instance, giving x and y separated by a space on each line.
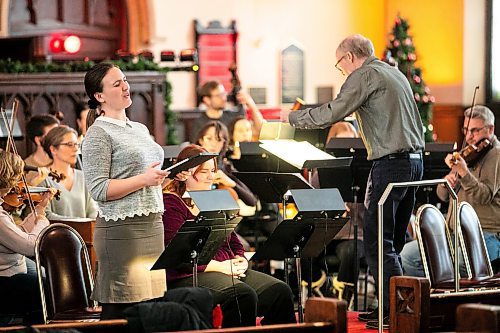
302 154
16 133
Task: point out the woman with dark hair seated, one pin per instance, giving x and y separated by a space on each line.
227 274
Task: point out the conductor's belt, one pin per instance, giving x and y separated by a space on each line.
402 156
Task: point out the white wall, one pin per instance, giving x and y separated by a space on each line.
316 25
474 50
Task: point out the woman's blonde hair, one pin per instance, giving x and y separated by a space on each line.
11 169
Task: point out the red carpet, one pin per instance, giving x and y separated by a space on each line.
356 326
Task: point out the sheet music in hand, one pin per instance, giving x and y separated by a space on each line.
189 163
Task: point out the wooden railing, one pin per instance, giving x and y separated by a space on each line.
49 93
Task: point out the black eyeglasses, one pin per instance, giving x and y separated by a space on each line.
338 62
474 130
70 144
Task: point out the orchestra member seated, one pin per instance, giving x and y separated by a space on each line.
214 138
19 291
36 129
213 98
81 111
61 145
227 275
240 130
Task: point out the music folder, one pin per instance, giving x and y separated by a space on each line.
189 163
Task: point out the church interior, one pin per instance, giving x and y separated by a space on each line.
249 166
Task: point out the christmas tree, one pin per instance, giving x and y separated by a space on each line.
401 53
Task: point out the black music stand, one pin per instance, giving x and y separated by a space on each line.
271 187
317 222
350 181
170 153
198 240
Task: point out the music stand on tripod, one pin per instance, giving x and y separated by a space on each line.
317 222
198 240
350 181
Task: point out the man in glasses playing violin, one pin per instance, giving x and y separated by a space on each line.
477 182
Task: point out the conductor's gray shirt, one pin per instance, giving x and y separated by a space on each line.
381 98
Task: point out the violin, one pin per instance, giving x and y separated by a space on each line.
472 154
18 195
53 174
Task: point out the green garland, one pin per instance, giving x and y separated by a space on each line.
10 66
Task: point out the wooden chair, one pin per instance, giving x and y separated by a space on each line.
65 292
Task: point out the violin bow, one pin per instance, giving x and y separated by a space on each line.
11 144
470 115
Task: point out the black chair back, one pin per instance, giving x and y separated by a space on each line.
434 244
67 287
473 240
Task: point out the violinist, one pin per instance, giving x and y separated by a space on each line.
61 145
227 273
478 184
19 290
213 97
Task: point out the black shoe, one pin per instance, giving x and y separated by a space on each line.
368 316
373 324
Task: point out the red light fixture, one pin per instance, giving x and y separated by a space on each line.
70 44
56 44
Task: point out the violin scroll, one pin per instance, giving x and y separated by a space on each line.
53 174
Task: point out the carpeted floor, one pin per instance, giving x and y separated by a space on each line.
356 326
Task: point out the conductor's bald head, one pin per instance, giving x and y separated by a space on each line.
359 45
352 53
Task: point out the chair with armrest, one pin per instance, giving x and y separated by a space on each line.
471 235
65 292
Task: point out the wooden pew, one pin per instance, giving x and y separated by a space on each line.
322 315
101 326
414 308
478 318
326 315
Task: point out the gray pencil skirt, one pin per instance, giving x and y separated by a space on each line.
126 250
